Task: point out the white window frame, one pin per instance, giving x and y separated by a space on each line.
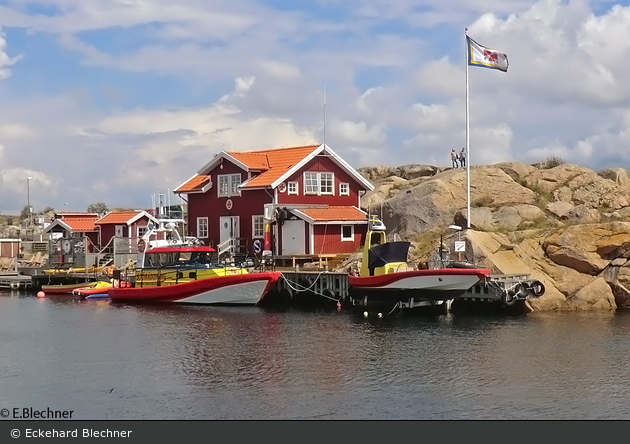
235 181
142 231
201 220
327 174
345 185
258 233
292 188
318 178
228 185
311 178
347 239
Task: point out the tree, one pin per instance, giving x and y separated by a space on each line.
99 208
24 213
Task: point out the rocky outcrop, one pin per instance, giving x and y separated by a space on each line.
566 226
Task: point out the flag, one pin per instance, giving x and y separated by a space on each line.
488 58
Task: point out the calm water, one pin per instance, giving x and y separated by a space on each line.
111 361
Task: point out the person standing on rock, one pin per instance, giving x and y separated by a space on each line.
462 157
454 157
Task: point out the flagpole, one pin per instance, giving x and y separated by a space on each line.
467 141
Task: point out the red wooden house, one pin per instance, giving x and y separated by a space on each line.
289 201
123 224
72 227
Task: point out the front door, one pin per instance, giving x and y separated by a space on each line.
228 232
293 240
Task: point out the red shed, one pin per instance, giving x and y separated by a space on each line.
130 224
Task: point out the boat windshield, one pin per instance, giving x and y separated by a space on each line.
177 259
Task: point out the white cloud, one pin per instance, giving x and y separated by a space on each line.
143 92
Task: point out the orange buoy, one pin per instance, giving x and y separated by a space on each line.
41 294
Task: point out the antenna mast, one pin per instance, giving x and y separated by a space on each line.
324 115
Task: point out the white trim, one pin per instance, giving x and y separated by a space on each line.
297 187
207 227
62 224
351 238
130 220
229 190
311 233
342 163
312 221
261 236
332 185
347 193
208 167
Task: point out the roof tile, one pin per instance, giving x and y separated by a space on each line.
335 213
118 217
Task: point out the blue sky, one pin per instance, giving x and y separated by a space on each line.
116 101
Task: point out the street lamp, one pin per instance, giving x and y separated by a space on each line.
28 198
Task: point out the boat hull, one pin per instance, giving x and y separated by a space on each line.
241 289
66 288
429 285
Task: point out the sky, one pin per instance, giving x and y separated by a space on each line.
118 101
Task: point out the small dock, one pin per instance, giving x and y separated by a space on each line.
325 289
15 281
310 288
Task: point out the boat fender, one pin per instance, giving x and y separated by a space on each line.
537 288
508 297
305 284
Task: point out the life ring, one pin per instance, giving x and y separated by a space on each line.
537 288
141 245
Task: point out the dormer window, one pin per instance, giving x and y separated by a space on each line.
228 184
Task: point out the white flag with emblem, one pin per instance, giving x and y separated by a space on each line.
485 57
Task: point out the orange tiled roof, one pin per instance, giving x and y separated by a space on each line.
274 162
334 213
118 217
195 184
80 223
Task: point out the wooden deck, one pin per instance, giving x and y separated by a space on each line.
15 281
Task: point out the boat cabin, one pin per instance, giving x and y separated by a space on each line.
380 256
178 257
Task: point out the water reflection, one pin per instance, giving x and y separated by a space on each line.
117 361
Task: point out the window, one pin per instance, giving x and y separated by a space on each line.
142 231
228 184
224 185
344 189
258 226
311 184
235 181
326 183
318 183
293 188
202 227
347 233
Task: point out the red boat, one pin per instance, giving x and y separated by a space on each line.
439 284
386 280
238 289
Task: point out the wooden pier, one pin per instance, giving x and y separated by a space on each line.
15 281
